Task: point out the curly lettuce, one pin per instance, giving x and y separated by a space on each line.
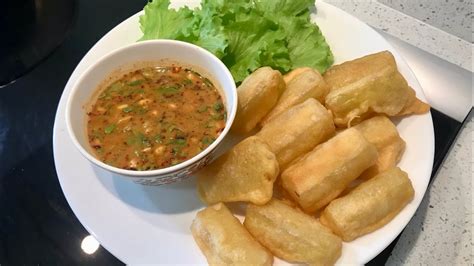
244 34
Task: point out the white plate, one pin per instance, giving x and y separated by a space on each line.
142 225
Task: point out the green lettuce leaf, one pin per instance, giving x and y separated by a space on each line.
244 48
308 48
306 44
161 22
286 7
208 28
244 34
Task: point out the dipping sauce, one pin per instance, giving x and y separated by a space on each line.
155 117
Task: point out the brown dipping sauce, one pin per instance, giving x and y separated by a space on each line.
155 117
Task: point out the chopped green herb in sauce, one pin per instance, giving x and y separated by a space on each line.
218 106
158 139
127 109
218 117
178 141
155 117
206 140
110 128
135 82
168 91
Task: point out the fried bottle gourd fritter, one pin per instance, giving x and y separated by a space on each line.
295 72
291 234
303 83
370 205
224 241
322 174
257 95
367 86
381 132
244 173
297 130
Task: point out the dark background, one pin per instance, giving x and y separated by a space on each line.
36 224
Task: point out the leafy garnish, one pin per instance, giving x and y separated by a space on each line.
160 22
244 34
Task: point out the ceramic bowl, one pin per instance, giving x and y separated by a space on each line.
120 60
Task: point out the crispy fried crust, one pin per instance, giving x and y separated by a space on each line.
224 241
297 131
257 95
381 132
323 173
291 234
414 106
245 173
370 205
304 84
295 72
367 86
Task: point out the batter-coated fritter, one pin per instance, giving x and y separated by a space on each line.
381 132
322 174
367 86
224 241
297 131
291 234
245 173
295 72
257 95
306 83
370 205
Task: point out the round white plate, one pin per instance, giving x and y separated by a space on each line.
141 225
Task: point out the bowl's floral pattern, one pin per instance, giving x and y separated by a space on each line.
176 176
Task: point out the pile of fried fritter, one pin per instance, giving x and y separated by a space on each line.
320 170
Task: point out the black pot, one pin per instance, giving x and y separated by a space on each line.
31 30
